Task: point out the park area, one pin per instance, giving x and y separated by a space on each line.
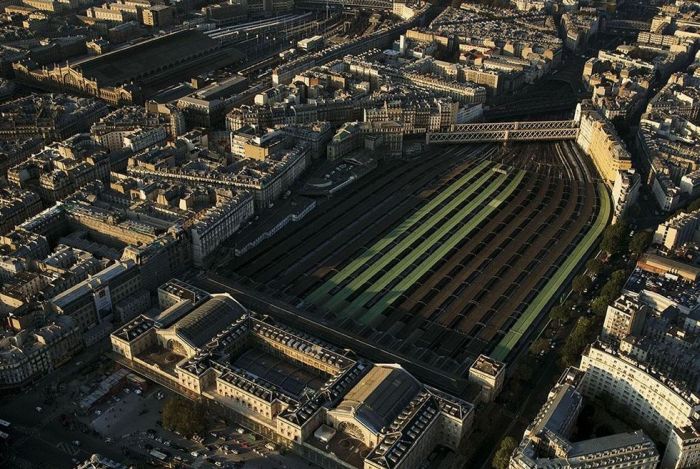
440 258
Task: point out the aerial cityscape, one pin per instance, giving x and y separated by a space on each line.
339 234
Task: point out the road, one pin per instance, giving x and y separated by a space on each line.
39 440
548 371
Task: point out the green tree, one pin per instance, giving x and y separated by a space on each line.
619 277
501 460
594 266
640 242
581 336
538 346
599 305
615 238
560 313
611 289
581 283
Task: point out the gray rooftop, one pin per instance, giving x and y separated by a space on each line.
205 322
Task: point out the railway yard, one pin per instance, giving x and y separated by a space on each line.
444 257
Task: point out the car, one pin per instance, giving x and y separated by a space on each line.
76 442
270 446
234 451
218 464
194 454
240 430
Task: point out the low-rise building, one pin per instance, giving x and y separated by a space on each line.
625 192
624 317
598 138
31 353
546 441
91 302
490 374
659 403
215 350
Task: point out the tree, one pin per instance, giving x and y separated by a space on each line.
577 340
615 238
594 266
539 346
501 460
581 283
599 306
184 416
611 289
560 313
619 277
640 242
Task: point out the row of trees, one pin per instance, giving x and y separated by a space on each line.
617 244
616 240
501 459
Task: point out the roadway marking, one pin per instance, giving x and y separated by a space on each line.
68 448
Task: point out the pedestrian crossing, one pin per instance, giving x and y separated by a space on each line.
68 448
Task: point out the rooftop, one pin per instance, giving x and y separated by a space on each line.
129 63
206 321
380 396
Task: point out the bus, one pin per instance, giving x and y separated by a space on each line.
162 457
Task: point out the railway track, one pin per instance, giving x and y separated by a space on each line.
439 258
265 263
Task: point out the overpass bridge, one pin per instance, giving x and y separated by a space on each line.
537 131
369 4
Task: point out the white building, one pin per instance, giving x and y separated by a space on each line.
139 139
216 224
677 231
546 442
325 403
652 399
690 184
624 317
625 192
